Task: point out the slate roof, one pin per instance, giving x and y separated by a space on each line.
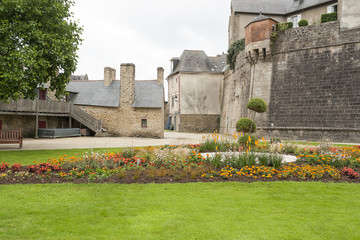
148 94
196 61
277 7
93 93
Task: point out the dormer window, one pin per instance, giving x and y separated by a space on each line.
296 3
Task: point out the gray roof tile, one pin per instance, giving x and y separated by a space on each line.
277 7
148 94
93 93
197 61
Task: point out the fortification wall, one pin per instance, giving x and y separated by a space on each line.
316 83
315 86
236 93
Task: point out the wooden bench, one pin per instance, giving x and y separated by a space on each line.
11 136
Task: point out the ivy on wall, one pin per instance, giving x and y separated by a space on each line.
233 51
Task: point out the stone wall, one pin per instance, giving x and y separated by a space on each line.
315 85
27 123
316 82
236 93
126 121
199 123
250 79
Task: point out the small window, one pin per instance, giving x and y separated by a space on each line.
0 125
144 123
332 8
42 94
172 101
295 20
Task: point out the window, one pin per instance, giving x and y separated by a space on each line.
172 101
294 19
42 94
0 125
332 8
144 123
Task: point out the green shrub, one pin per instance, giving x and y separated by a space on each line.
245 125
244 140
328 17
233 51
258 105
283 26
303 23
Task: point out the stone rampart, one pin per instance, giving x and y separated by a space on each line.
314 90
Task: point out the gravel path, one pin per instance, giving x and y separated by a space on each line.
171 138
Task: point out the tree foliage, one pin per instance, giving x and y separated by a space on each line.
38 44
233 51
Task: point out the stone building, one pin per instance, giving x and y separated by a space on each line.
126 107
244 11
44 113
310 77
194 91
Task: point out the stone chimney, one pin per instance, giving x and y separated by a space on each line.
160 75
109 76
127 83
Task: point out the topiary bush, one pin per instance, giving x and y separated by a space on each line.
245 125
244 140
233 51
328 17
303 23
258 105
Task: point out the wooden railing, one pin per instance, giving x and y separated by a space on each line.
51 107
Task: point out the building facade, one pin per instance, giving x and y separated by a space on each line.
195 91
309 76
127 107
244 11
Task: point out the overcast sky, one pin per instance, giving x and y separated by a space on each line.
147 33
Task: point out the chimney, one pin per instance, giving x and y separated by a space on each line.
160 75
127 83
109 76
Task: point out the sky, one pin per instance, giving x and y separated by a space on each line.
147 33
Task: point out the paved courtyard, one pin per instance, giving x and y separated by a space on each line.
171 138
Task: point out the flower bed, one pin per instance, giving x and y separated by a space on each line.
186 164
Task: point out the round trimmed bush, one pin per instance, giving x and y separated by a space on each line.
244 140
258 105
245 125
303 23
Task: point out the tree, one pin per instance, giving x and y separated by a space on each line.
38 44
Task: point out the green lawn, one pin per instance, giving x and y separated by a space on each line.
27 157
280 210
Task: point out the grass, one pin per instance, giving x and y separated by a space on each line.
317 143
27 157
280 210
